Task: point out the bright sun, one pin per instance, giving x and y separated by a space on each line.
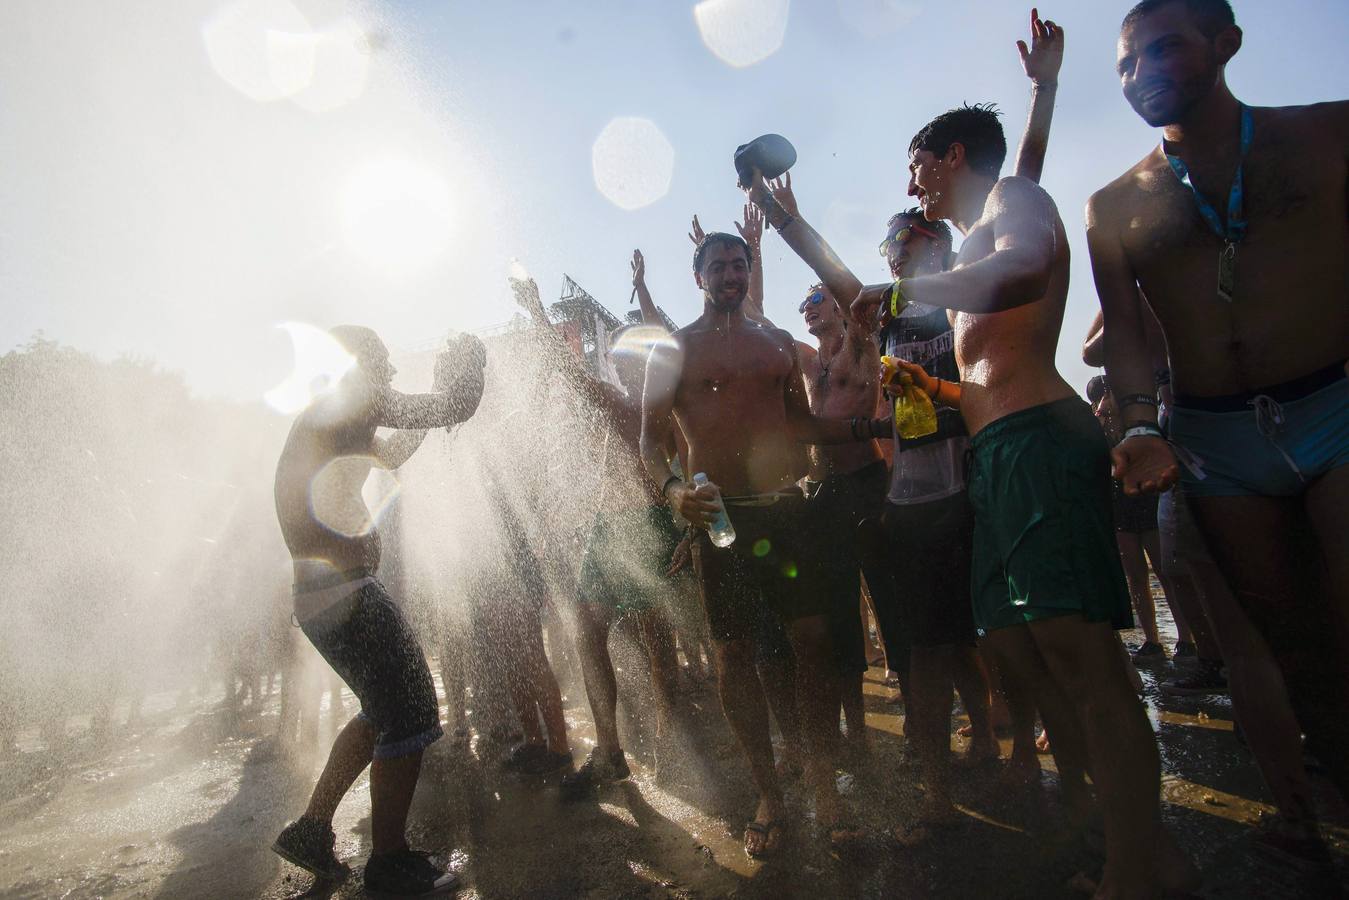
397 214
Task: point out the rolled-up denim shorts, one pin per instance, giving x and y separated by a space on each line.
368 642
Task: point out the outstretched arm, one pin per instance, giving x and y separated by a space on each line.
752 232
601 392
458 384
778 207
1017 272
650 315
1144 462
396 449
1041 61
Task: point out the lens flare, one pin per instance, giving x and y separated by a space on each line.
264 49
741 33
341 54
397 214
351 495
633 162
320 363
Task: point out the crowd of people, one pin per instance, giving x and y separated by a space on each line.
1002 553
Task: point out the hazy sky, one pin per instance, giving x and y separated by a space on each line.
180 176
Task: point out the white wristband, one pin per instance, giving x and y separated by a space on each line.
1143 431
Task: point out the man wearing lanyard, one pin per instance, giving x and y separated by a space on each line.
1239 246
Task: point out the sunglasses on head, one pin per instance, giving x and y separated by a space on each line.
902 237
814 299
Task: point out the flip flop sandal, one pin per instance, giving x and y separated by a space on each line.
766 830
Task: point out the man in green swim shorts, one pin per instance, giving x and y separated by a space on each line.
1047 584
629 547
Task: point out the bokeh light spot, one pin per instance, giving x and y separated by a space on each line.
350 497
264 49
741 33
789 569
762 546
633 162
320 363
341 65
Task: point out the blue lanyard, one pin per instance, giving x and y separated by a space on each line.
1235 228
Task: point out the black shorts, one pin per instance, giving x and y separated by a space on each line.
771 569
1133 515
931 548
368 642
835 509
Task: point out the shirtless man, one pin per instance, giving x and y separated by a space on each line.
1048 587
928 516
345 611
842 381
1235 229
628 550
735 388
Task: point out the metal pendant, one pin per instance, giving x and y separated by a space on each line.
1227 271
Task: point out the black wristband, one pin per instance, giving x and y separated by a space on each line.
666 486
882 428
1141 399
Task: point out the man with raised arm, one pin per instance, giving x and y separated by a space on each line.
928 519
734 387
629 547
1047 583
1235 228
345 611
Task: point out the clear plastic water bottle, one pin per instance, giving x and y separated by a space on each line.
720 530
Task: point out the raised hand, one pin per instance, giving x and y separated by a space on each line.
526 291
752 229
757 190
781 189
1144 465
697 234
1045 54
639 268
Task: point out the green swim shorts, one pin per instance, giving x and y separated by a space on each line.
626 556
1044 534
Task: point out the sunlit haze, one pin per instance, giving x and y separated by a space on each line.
182 177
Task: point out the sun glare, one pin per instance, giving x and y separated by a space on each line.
320 363
397 214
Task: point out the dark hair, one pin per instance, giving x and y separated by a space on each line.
1212 16
359 341
914 214
975 127
1097 388
719 237
939 228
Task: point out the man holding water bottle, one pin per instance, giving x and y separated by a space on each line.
736 389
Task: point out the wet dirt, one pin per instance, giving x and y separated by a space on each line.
187 802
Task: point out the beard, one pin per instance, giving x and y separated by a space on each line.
1186 95
722 304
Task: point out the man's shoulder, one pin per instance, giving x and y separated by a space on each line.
1016 192
1330 118
1107 199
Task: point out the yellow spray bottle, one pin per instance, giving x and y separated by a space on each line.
915 416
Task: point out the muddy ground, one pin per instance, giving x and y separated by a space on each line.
186 802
